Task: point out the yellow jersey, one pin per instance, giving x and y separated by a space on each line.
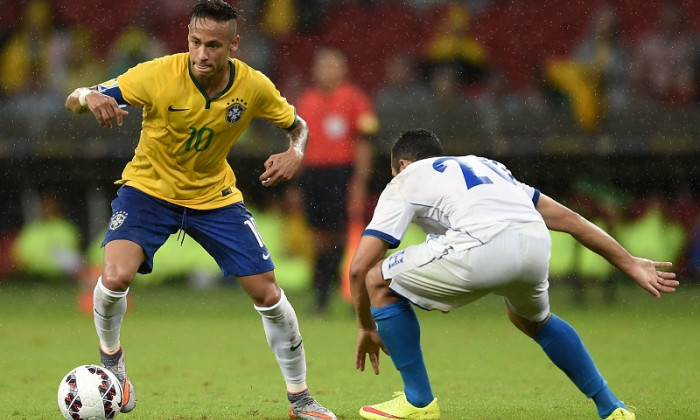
186 135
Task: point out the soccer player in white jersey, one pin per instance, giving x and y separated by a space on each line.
487 233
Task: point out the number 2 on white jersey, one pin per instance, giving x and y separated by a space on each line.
470 177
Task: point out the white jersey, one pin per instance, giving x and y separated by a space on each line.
468 199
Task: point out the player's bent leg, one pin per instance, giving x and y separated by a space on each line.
564 347
378 288
400 408
284 338
399 330
109 309
122 259
529 328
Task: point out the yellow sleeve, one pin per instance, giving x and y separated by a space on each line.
140 85
272 106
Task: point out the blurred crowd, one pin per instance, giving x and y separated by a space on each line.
436 54
495 57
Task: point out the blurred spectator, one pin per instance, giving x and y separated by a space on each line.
401 90
663 62
25 63
49 247
447 107
82 65
402 96
279 18
580 268
260 51
445 94
653 231
133 46
498 98
337 163
596 77
497 105
454 44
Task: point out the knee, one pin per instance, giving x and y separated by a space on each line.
269 297
116 279
262 289
378 288
529 328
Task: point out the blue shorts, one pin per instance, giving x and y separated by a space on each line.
229 234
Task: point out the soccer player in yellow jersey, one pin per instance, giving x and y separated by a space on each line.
195 106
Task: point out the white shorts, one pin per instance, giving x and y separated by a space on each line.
514 264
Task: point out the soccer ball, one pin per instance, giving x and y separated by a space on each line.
89 392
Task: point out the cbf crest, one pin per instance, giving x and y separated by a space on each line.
234 112
117 220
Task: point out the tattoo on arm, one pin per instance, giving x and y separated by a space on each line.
299 136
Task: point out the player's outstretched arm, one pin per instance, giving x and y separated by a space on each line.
282 166
103 107
644 272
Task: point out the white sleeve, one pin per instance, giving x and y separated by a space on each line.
392 217
533 193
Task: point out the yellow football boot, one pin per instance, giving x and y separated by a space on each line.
621 414
400 408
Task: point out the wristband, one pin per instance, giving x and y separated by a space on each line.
82 96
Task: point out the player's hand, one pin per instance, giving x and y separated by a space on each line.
648 277
105 109
281 167
368 343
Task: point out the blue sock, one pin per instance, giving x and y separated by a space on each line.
562 344
399 329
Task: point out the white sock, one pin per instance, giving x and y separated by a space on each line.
283 337
109 308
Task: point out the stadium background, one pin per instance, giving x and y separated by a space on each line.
646 149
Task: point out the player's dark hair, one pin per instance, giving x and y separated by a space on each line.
415 145
217 10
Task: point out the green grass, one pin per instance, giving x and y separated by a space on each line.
203 355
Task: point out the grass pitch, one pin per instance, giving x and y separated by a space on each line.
203 355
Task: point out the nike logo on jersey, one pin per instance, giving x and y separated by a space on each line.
297 346
266 256
171 109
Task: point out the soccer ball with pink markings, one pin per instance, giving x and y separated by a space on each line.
89 392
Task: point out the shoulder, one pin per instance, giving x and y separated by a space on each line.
250 74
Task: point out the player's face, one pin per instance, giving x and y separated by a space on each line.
211 43
329 69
